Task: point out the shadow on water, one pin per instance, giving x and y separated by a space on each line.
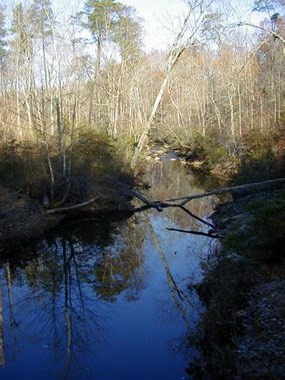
107 298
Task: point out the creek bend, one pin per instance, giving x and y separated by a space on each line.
108 298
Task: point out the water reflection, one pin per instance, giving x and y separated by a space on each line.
170 180
106 299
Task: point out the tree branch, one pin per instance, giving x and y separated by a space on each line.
71 208
214 236
256 186
274 34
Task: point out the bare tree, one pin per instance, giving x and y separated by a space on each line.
180 43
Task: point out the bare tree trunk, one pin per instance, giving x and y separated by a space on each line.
51 174
143 136
174 55
232 115
239 108
18 101
61 150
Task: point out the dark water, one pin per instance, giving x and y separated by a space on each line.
108 299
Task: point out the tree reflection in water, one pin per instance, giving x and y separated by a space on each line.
62 283
73 303
169 180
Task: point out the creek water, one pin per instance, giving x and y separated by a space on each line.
108 298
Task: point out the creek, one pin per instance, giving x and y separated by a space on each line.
108 298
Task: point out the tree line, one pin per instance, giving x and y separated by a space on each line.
220 81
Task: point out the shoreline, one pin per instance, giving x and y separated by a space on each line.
243 331
23 219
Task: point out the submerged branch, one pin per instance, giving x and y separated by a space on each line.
188 212
159 206
214 236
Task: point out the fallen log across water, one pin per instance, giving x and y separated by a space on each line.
237 190
159 206
181 202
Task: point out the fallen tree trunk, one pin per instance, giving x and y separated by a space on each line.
71 208
180 202
156 204
238 190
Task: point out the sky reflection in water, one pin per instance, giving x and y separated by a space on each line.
107 299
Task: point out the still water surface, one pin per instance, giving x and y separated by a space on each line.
108 299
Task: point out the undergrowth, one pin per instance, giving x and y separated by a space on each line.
91 160
252 253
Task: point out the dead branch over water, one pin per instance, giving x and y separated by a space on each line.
237 190
181 202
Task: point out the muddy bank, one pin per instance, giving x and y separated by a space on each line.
243 334
23 218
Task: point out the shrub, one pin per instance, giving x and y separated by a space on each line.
209 149
263 237
268 227
20 164
95 159
258 160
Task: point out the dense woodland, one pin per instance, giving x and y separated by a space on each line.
74 93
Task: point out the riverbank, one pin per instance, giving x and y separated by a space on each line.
243 330
36 196
109 278
243 285
24 219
